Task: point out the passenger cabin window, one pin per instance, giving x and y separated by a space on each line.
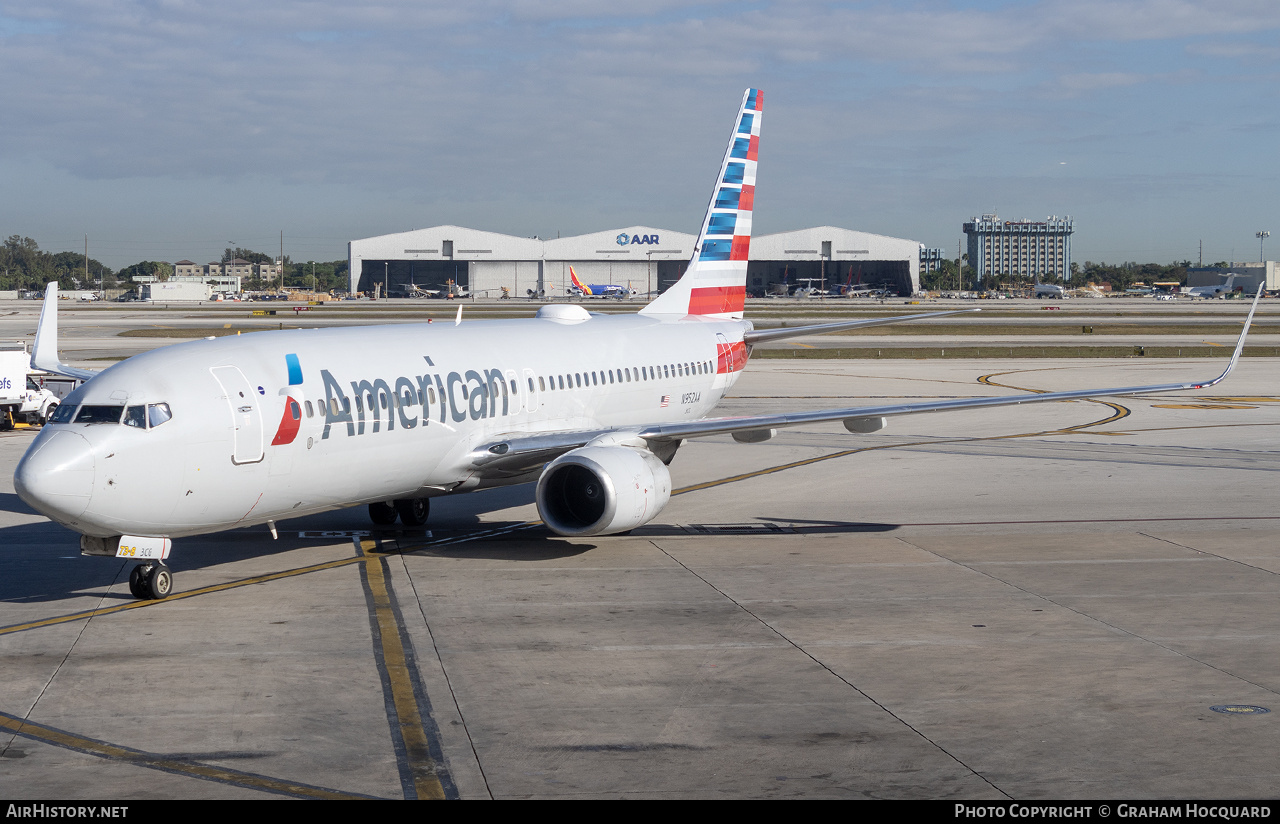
310 411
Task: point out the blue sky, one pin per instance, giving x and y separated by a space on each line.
171 129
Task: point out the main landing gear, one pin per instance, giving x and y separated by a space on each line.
151 580
410 511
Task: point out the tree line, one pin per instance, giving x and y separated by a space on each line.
1120 276
25 266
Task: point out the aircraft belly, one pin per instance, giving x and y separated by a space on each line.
340 471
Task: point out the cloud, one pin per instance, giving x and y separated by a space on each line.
1235 50
1085 82
601 114
1127 20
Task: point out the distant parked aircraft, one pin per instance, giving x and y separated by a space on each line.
1049 290
599 290
1219 291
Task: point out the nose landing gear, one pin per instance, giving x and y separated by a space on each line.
151 581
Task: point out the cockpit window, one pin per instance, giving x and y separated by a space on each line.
135 416
94 413
64 413
158 413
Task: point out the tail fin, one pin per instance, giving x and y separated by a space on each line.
715 284
579 285
44 352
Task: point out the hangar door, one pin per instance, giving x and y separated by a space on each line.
397 277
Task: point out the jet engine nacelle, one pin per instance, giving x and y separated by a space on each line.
600 490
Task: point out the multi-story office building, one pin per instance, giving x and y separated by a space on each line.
238 268
1024 248
930 259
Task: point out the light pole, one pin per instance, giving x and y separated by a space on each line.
1262 238
313 277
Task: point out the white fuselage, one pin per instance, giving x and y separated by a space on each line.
383 413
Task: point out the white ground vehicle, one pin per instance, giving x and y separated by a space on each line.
22 399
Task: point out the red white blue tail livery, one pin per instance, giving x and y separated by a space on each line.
715 284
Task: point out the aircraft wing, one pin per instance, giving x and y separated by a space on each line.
762 335
522 453
44 354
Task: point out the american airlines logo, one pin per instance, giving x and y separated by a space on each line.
382 403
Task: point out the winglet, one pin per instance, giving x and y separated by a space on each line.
44 352
1235 356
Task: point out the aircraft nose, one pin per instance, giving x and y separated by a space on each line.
56 477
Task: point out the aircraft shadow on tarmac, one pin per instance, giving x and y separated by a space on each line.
10 502
42 561
764 525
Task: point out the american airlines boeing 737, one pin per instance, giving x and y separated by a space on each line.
230 432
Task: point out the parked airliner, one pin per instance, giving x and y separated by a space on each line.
220 433
598 290
1049 290
1219 291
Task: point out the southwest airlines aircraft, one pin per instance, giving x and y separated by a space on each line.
601 290
230 432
